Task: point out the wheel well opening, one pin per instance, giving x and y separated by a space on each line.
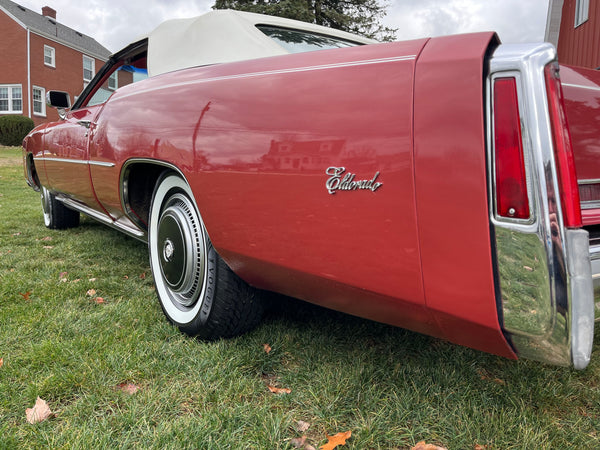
32 175
139 181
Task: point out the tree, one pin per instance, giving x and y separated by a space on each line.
355 16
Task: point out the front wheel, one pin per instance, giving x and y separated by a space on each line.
56 215
197 291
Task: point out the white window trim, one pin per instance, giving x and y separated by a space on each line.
43 101
115 77
85 80
10 98
582 10
53 51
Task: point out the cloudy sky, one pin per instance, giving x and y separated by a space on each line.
116 23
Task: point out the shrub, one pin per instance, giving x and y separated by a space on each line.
13 129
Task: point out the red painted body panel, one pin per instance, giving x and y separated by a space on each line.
255 153
255 139
581 88
451 187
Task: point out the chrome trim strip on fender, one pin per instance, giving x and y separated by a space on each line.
543 269
79 161
591 88
274 72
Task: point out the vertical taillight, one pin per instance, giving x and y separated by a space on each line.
511 184
563 151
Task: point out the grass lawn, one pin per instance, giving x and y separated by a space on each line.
390 387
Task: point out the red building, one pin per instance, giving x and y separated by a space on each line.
573 26
40 54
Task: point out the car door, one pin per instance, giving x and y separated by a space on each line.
66 156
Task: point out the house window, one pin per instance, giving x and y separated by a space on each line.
49 56
11 99
112 82
582 8
39 105
88 69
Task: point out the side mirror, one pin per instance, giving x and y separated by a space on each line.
60 100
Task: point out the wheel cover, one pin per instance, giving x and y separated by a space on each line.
46 206
181 250
178 247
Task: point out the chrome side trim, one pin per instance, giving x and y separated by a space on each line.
591 88
80 161
133 232
544 286
589 181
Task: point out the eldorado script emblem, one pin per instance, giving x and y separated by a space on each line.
347 183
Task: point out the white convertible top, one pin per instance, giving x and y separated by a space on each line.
222 36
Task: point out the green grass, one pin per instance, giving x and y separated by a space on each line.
390 387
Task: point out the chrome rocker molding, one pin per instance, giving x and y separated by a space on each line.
543 269
133 232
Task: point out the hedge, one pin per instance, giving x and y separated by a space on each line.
13 129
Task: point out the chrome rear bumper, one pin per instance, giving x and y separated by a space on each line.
595 261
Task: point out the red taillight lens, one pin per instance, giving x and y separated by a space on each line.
563 151
511 185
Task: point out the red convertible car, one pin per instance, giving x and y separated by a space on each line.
450 185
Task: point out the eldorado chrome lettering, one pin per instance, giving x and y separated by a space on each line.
347 183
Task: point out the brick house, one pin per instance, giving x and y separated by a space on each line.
573 26
39 54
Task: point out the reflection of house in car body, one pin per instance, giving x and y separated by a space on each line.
304 155
40 54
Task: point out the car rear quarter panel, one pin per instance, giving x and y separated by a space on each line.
255 139
451 191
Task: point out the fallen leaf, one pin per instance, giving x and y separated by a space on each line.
91 280
1 362
63 280
91 292
276 390
126 277
46 239
423 446
335 440
480 447
309 447
63 274
267 348
47 247
39 412
99 300
143 276
25 295
298 442
302 426
17 234
77 280
128 388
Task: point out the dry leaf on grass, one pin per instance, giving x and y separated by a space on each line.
1 362
25 295
276 390
39 412
48 247
46 239
480 447
128 388
91 280
267 348
423 446
143 276
302 426
99 300
335 440
298 442
91 292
